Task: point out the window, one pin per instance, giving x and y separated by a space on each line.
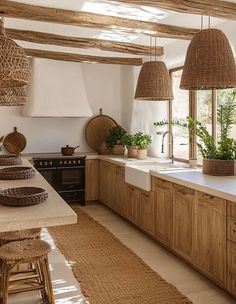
180 110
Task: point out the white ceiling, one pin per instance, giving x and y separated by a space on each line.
109 8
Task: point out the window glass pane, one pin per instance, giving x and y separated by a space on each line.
180 110
222 97
204 112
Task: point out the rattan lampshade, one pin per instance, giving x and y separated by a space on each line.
154 82
209 62
15 68
13 96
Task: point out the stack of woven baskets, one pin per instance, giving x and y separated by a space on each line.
15 71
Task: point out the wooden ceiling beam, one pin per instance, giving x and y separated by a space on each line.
214 8
77 18
85 43
82 58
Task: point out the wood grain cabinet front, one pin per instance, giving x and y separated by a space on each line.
163 201
210 236
147 212
133 204
119 190
106 183
91 179
183 219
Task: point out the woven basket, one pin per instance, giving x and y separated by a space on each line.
15 70
13 96
23 196
154 82
10 160
218 167
17 173
209 62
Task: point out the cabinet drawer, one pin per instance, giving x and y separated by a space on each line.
231 229
183 190
231 209
217 203
160 183
231 256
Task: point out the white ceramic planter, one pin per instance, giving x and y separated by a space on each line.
142 154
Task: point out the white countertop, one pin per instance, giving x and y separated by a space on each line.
53 212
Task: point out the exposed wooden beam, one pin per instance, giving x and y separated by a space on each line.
82 58
76 42
83 19
214 8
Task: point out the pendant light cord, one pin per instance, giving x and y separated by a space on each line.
209 22
150 48
201 22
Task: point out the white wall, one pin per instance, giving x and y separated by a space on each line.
103 85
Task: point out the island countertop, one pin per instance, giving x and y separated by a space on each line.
53 212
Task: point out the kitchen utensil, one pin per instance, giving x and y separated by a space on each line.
68 151
14 142
22 196
97 128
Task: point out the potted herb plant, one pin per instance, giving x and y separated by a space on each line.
218 157
131 142
143 141
114 140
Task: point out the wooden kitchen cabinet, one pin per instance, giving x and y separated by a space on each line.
163 201
106 183
210 236
147 212
119 187
91 179
183 220
133 204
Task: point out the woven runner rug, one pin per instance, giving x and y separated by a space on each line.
107 270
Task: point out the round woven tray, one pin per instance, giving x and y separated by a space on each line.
10 160
23 196
17 173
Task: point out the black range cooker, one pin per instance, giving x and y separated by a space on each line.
66 174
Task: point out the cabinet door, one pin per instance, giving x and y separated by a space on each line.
147 215
133 204
163 200
119 187
183 214
210 236
106 183
91 179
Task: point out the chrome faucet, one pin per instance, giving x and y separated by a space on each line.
172 145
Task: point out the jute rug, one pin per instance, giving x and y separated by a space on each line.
107 270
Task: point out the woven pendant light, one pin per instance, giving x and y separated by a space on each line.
154 82
209 62
15 68
13 96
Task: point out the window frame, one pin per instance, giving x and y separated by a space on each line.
193 113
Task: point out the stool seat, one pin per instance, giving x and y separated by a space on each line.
24 250
19 235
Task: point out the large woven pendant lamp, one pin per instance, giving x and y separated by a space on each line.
209 62
13 96
154 82
15 68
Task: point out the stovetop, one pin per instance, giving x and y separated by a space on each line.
42 161
56 156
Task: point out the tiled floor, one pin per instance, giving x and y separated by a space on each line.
173 270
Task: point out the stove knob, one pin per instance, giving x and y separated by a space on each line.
51 163
69 162
78 162
74 162
65 162
40 163
46 163
60 162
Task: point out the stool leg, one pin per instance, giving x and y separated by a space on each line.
5 282
47 279
42 282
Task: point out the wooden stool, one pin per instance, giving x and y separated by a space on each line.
29 251
19 235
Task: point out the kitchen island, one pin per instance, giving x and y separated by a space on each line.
53 212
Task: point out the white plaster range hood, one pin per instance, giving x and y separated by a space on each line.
56 90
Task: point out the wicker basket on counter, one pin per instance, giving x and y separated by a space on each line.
10 160
218 167
17 173
23 196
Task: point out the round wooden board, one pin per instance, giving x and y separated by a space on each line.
96 131
14 142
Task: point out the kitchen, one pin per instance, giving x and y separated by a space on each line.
121 229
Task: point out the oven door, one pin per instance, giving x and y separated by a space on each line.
71 178
50 175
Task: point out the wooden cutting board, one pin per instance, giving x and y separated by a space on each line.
14 142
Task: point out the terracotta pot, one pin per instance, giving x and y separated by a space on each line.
132 151
218 167
142 153
118 150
